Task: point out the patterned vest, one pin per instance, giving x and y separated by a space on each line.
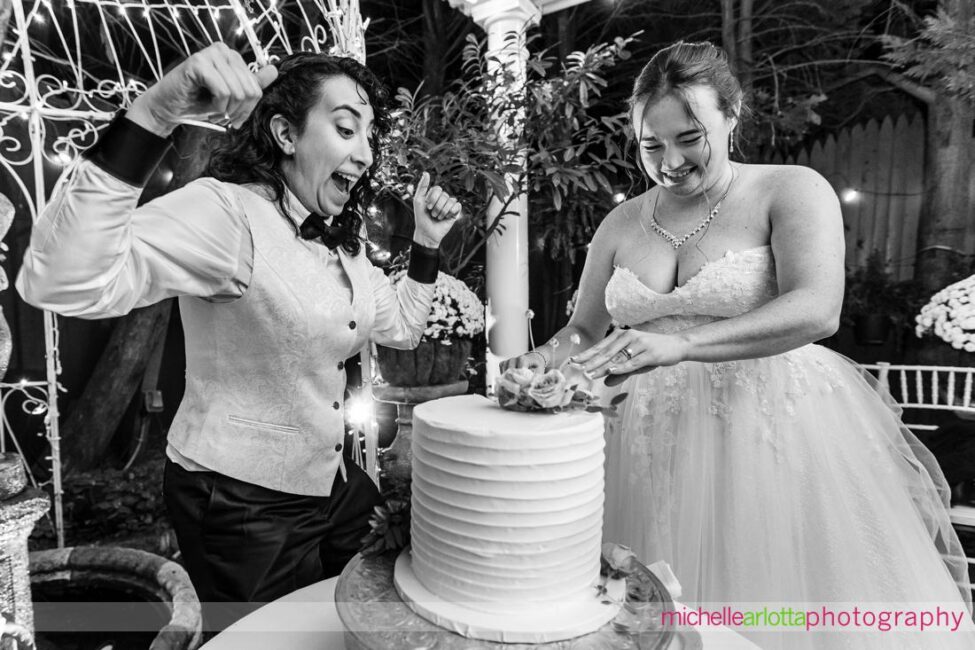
264 380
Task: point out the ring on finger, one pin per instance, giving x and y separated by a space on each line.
225 120
627 353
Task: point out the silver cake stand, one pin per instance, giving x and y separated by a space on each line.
376 618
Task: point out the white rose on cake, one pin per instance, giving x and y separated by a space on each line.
549 390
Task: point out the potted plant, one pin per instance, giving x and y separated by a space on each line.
456 318
874 301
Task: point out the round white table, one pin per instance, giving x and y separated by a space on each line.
307 620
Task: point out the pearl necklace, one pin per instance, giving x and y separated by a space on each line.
674 240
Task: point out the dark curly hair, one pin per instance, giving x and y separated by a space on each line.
250 154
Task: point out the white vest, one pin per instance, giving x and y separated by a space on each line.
264 384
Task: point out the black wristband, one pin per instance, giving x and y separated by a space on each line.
424 264
127 151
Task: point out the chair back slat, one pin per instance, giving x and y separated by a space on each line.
927 387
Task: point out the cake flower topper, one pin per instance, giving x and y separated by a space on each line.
521 389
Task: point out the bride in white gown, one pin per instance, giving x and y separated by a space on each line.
764 469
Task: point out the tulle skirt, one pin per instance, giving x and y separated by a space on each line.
786 479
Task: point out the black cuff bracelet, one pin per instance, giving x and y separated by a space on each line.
424 264
127 151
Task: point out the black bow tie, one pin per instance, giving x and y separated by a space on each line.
315 227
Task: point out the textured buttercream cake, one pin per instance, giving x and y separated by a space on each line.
507 513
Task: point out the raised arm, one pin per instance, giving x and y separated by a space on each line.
401 313
93 255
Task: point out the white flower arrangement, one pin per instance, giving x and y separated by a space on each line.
457 313
950 315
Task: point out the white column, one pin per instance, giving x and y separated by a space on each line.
507 251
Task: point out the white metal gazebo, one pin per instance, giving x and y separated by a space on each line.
47 119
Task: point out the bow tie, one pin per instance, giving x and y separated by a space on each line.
315 227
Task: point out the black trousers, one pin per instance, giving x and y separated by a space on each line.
244 545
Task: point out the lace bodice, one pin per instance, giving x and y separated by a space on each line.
728 286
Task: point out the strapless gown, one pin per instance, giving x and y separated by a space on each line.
784 479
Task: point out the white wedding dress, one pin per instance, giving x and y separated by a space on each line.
785 479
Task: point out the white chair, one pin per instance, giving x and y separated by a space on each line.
933 388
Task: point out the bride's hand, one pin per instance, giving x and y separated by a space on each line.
628 352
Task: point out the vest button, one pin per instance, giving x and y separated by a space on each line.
341 365
338 447
351 324
336 405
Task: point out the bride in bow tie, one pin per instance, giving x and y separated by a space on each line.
767 471
275 292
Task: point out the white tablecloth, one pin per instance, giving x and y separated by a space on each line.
307 620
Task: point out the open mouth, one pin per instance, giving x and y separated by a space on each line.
344 182
679 174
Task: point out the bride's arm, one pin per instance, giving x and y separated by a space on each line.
808 246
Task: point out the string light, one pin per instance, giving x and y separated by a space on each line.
359 411
64 158
850 195
619 197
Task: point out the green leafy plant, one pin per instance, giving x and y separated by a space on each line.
943 51
493 136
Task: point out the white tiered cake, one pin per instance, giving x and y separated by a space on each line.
506 522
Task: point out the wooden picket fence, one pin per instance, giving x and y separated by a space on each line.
877 169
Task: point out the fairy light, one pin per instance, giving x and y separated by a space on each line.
64 158
619 197
359 411
7 56
850 195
